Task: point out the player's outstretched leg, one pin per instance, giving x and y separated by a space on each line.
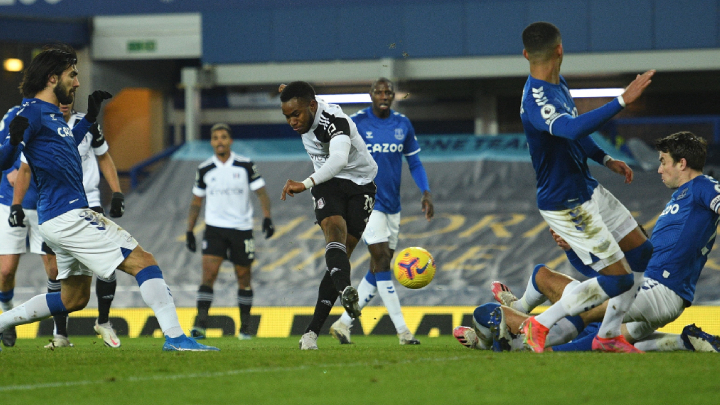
327 295
367 289
105 291
156 295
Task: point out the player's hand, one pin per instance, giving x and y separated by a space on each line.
11 177
292 187
281 88
621 168
17 129
94 102
190 241
559 240
17 215
268 227
97 135
427 206
637 86
117 205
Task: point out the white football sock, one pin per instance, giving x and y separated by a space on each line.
616 309
366 292
661 342
156 295
585 296
562 332
530 299
34 309
387 292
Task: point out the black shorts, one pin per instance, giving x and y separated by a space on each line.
347 199
45 248
232 244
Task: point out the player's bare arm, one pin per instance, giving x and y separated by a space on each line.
292 187
427 206
621 168
195 207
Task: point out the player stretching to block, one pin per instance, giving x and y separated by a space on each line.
84 241
95 158
683 236
389 135
568 197
343 193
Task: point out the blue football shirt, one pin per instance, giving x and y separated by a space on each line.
684 235
563 177
51 151
387 140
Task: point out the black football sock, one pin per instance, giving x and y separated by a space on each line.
204 301
339 265
105 291
326 299
245 299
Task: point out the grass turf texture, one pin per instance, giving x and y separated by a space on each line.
373 370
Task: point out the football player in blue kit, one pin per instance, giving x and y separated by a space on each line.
569 199
84 241
683 236
389 136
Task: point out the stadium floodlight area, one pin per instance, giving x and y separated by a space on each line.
346 98
589 93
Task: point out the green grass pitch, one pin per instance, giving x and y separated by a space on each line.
374 370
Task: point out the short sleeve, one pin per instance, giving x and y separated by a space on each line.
410 145
255 179
199 187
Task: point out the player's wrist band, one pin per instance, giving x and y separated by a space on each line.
621 100
308 183
606 159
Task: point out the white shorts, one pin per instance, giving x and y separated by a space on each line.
382 227
86 243
655 306
594 227
13 239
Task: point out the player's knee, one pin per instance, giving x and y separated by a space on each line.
76 302
380 261
616 285
639 257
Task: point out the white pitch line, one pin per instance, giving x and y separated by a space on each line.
29 387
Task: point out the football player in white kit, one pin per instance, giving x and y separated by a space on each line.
84 241
342 188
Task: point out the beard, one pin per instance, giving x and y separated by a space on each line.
63 94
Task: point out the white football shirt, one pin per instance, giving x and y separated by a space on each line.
226 188
91 171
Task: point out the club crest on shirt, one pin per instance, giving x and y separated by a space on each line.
399 134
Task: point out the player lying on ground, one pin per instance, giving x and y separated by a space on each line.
683 236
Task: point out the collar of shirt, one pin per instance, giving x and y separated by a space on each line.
228 162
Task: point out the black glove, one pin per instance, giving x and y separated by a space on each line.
268 228
17 129
17 215
94 102
190 241
97 136
117 205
